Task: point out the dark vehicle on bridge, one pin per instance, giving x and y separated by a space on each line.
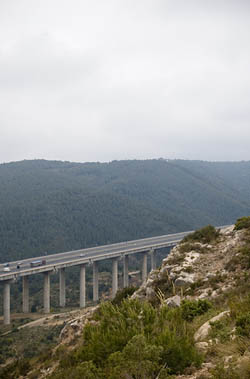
37 263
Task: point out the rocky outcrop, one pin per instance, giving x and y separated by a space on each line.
73 329
198 272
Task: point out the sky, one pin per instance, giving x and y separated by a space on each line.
98 80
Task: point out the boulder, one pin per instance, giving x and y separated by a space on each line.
184 279
174 301
203 331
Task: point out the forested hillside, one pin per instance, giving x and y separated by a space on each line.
56 206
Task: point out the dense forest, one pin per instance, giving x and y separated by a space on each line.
52 206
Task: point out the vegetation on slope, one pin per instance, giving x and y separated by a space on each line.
48 206
203 235
128 338
242 223
133 339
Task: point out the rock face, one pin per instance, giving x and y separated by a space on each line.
199 272
74 327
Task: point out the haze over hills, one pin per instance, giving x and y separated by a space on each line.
57 206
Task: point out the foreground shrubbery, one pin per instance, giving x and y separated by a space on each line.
204 235
232 335
132 340
240 311
122 294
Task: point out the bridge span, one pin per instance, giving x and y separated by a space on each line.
48 264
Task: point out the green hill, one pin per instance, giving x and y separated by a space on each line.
56 206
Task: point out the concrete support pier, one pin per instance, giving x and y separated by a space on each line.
95 282
62 296
114 276
144 267
152 256
83 286
6 303
46 292
26 294
125 271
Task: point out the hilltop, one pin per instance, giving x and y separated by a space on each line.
190 320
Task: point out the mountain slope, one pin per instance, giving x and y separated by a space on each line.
55 206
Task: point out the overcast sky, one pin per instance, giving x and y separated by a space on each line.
98 80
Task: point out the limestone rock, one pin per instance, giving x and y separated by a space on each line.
191 257
203 331
184 279
202 346
174 301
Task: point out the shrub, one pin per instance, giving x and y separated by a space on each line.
231 371
164 284
198 284
243 324
242 223
220 372
204 235
245 255
187 247
123 294
191 309
221 329
136 340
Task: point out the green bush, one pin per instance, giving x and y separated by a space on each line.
123 294
242 223
221 329
220 372
135 340
16 369
203 235
231 371
191 309
245 256
243 324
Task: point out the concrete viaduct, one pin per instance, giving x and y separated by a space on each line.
59 262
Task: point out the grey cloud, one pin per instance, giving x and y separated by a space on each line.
121 79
